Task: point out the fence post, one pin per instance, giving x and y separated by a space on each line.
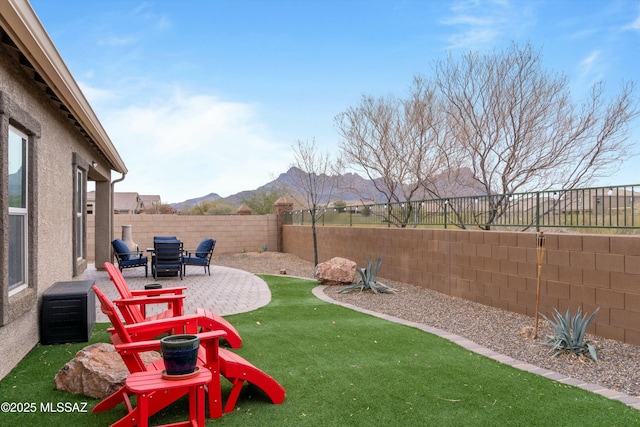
537 211
446 202
281 206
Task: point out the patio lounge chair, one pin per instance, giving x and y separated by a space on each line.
164 238
201 256
167 258
129 340
126 259
133 303
136 312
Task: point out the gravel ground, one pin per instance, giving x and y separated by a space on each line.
618 366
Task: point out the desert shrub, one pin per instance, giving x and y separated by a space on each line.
368 279
569 334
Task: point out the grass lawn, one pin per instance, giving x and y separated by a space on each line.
341 367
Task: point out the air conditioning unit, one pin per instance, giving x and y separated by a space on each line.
68 312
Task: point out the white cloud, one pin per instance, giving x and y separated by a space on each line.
480 23
591 68
590 60
117 41
95 95
635 25
163 23
190 145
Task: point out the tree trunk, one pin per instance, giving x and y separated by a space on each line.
315 239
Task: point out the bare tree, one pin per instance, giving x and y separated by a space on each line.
516 128
396 143
312 182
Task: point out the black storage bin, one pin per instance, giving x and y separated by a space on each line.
68 312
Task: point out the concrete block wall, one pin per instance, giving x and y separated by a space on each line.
499 269
233 233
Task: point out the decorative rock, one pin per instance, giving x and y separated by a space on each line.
97 371
336 271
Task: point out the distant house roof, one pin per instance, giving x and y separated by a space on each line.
24 28
125 202
150 200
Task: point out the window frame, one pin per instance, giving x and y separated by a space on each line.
80 168
15 304
80 222
22 212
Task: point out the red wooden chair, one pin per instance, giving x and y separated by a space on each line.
173 297
132 305
129 338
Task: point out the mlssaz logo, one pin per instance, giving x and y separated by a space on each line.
53 407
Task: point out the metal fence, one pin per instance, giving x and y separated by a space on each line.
594 208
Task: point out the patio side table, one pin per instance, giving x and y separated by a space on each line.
143 383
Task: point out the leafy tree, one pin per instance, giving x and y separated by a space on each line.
340 205
261 202
210 207
163 208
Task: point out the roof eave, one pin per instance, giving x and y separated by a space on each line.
25 29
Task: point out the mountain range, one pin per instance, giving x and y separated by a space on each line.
349 187
287 180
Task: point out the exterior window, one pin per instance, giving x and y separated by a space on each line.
18 218
80 203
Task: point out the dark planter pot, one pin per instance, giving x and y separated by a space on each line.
180 353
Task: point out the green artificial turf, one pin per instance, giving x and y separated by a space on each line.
341 367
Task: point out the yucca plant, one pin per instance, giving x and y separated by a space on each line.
569 334
368 279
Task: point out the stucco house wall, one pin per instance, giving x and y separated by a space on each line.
58 147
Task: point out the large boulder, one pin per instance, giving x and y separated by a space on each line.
336 271
97 371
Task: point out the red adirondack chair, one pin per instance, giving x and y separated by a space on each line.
233 367
133 302
131 340
136 312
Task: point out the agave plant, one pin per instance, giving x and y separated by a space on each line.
569 334
368 279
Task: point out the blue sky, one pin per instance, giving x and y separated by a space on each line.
202 96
